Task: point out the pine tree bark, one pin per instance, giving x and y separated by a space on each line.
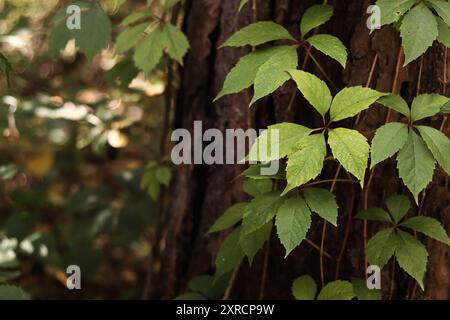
201 193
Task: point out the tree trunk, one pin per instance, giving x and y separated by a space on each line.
201 193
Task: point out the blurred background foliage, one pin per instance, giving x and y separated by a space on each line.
81 162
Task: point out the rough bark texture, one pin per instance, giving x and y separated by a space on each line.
202 193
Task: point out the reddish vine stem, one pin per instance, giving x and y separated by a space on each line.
324 230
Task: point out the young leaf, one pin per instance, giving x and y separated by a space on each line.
260 211
129 37
288 136
398 206
427 105
374 214
307 162
364 293
351 149
439 145
391 11
304 288
446 108
350 101
230 254
258 33
322 202
381 247
149 51
395 102
411 255
337 290
388 140
313 89
257 187
418 31
293 221
429 227
271 75
442 8
444 32
230 217
252 242
314 17
331 46
415 164
175 42
244 72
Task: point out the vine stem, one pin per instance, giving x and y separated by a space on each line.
227 293
265 266
324 230
315 246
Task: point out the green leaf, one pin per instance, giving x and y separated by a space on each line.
442 8
374 214
242 4
313 89
230 254
175 42
136 16
439 145
304 288
260 211
163 175
388 140
331 46
398 206
350 101
411 256
427 105
415 164
306 162
252 242
271 75
293 221
337 290
322 202
288 136
149 51
444 32
397 103
418 31
364 293
9 292
314 17
381 247
391 11
446 108
129 37
257 187
258 33
230 217
351 149
429 227
93 36
243 74
254 172
209 287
